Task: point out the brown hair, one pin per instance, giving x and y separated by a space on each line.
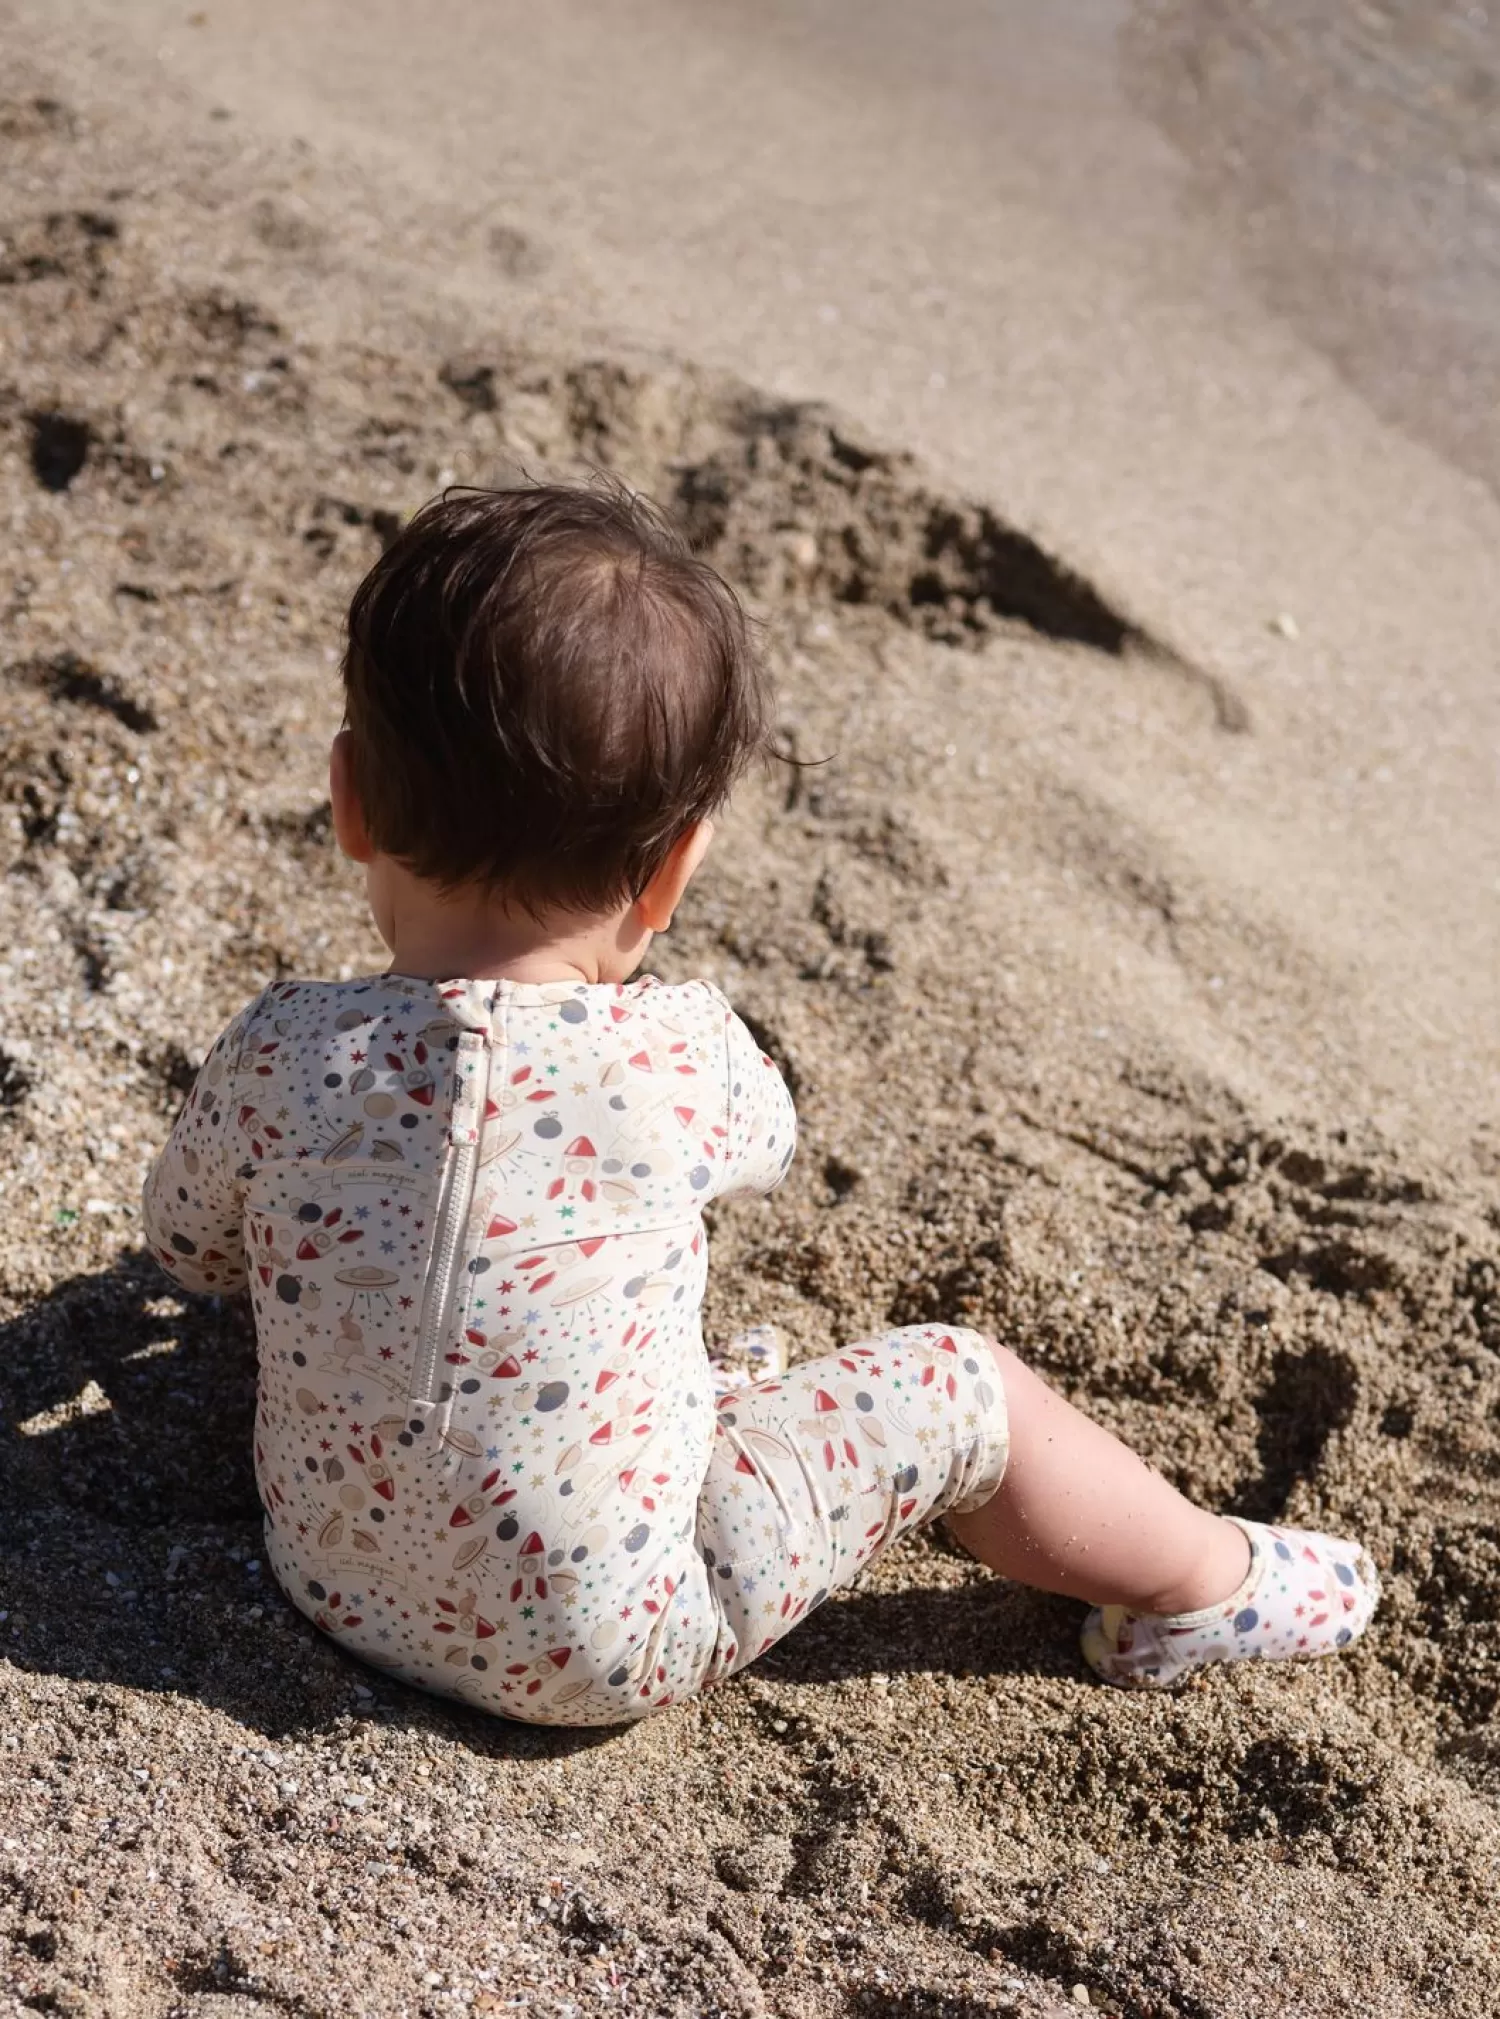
544 690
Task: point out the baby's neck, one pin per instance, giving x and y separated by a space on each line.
462 935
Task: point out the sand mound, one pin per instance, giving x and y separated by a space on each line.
994 992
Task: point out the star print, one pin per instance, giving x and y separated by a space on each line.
551 1345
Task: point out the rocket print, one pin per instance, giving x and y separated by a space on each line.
489 1447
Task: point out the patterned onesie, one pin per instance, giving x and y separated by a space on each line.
487 1440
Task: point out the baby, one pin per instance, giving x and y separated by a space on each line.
467 1198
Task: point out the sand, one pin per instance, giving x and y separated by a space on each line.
1127 934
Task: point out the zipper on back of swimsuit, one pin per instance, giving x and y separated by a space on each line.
455 1201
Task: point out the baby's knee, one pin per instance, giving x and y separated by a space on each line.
985 1361
1007 1365
962 1367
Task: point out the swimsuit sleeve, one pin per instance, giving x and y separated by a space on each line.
762 1122
193 1199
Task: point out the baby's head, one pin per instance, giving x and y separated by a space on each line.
547 697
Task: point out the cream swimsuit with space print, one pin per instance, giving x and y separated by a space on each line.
488 1443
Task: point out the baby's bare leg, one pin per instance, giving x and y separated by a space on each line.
1079 1513
1174 1588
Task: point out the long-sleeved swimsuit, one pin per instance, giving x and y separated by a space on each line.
492 1459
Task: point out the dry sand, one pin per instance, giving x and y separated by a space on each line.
1131 956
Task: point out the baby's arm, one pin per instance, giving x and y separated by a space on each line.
192 1201
762 1120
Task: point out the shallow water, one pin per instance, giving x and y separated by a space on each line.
1348 153
1353 152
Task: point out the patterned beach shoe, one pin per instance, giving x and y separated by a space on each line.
756 1355
1304 1594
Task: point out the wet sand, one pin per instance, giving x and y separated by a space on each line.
1131 958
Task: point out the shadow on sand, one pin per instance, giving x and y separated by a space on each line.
130 1539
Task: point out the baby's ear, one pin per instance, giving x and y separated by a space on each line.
348 815
662 895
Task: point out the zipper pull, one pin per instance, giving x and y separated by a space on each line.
470 1087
